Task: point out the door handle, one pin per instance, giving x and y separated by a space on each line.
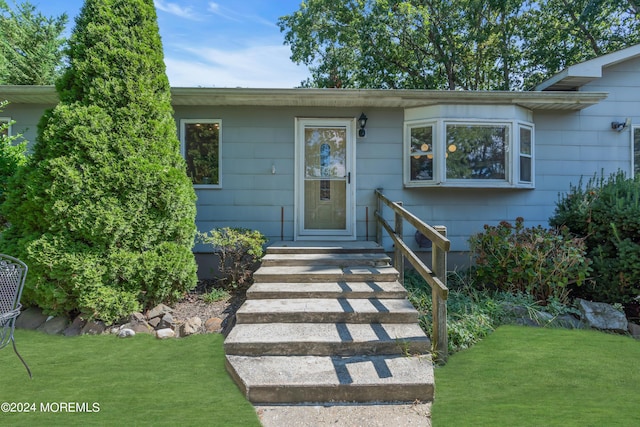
349 178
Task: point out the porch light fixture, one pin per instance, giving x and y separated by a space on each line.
620 126
362 121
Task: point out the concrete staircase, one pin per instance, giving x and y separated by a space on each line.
328 322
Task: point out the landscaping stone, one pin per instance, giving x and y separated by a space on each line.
94 327
75 328
159 311
126 332
137 317
165 333
602 316
191 326
166 322
568 321
214 324
54 325
634 330
154 322
31 318
142 328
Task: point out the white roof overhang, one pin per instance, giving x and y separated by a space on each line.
576 76
186 96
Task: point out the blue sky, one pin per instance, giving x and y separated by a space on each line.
222 43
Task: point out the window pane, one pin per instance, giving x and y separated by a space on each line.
636 151
422 153
525 141
202 147
476 151
325 152
525 169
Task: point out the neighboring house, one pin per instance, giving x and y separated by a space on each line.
294 164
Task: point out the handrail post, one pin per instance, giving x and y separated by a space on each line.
398 258
439 267
379 211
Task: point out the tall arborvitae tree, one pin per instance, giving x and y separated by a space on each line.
104 214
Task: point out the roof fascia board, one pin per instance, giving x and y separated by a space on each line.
336 97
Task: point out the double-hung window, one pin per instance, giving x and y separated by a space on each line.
200 141
460 152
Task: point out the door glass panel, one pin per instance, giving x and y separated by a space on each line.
325 186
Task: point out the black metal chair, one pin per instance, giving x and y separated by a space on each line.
13 273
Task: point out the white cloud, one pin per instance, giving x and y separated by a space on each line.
176 9
254 67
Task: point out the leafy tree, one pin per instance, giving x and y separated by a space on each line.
561 33
31 45
104 211
440 44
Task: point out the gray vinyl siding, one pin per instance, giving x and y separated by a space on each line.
26 117
569 145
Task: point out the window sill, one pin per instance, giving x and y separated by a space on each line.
472 184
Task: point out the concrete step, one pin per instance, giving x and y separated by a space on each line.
275 290
326 339
297 379
302 247
324 273
326 310
340 259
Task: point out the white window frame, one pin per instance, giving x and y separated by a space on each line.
183 148
513 154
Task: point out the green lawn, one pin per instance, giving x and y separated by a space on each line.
135 381
522 376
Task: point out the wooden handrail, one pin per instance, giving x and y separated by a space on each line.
436 277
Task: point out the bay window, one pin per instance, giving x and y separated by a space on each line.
458 152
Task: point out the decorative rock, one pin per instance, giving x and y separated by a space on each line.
567 321
603 316
165 333
31 318
126 332
137 317
154 322
54 325
158 311
167 322
142 328
94 327
75 328
634 330
214 324
191 326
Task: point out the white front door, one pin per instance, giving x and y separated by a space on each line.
325 179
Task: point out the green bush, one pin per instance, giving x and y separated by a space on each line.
238 249
606 213
536 261
12 157
104 213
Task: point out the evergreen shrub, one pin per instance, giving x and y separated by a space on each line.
12 157
606 213
104 213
